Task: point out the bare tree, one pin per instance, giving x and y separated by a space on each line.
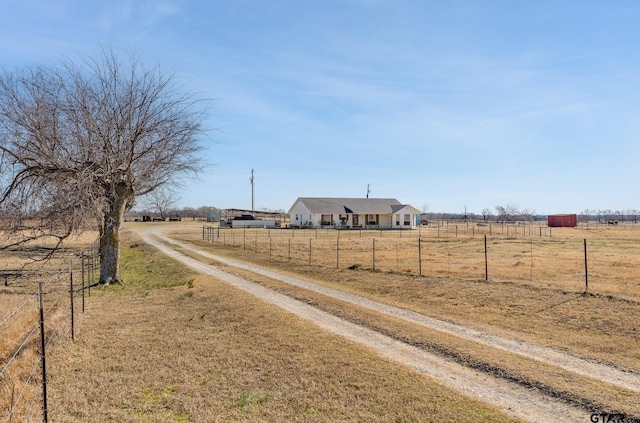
527 215
80 141
502 213
587 216
507 213
161 200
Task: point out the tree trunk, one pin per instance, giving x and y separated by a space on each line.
110 235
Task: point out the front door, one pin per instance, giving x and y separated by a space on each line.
355 220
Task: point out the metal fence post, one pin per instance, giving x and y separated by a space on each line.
374 254
486 265
43 356
82 267
419 256
91 272
586 272
73 337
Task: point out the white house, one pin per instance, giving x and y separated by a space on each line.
387 213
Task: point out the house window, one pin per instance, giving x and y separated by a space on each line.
407 220
325 220
397 220
371 219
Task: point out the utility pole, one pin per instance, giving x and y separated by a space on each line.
368 190
252 192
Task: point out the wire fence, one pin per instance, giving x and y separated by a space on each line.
577 260
37 317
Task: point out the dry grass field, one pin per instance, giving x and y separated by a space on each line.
597 326
175 346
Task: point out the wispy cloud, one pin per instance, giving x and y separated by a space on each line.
492 103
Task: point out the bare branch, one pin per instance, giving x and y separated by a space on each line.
81 140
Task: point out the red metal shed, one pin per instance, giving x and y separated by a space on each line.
562 220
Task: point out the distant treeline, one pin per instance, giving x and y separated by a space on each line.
513 214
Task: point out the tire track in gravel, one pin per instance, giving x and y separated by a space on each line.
512 398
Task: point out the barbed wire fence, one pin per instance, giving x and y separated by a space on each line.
493 253
37 319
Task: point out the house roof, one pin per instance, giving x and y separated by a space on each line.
351 205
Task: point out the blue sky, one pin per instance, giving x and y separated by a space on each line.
440 104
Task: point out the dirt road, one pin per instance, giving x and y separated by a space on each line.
512 398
